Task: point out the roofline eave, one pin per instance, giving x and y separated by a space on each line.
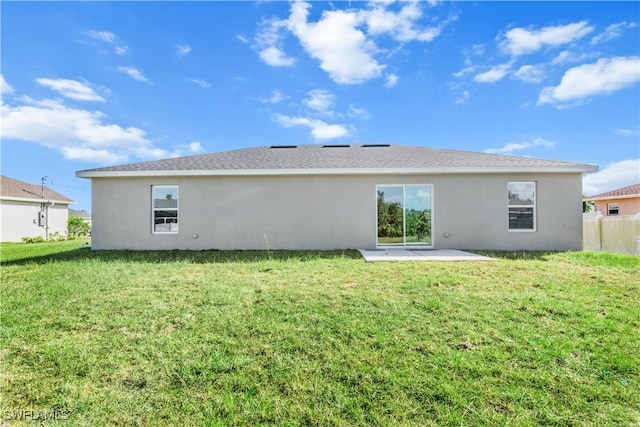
597 199
578 168
33 200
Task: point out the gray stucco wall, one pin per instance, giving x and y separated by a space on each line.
330 212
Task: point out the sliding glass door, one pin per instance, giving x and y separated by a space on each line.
404 215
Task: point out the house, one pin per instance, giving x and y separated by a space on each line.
622 201
31 210
363 196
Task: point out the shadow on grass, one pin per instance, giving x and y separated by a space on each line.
196 257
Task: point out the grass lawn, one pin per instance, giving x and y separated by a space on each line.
317 338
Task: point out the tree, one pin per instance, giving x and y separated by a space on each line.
418 224
77 227
389 218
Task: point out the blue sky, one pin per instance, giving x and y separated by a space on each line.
88 84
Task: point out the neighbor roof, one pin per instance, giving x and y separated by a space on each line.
80 214
14 190
619 193
337 159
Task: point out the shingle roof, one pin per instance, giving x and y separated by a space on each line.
12 188
630 191
80 214
335 158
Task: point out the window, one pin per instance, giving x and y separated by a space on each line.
613 209
522 206
164 208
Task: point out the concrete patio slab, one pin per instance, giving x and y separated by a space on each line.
397 254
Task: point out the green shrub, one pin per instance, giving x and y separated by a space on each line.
37 239
57 237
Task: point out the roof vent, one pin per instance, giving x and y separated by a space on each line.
284 146
337 146
375 145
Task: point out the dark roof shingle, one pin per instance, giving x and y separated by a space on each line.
342 157
17 189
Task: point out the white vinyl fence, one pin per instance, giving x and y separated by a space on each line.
612 233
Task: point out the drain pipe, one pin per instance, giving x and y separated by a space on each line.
44 208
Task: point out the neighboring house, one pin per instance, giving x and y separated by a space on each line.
622 201
31 210
86 216
339 197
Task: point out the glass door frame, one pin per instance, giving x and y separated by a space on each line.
404 244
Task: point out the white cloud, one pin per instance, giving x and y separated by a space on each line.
275 98
92 155
242 38
614 175
626 132
462 97
105 36
195 147
391 80
567 56
613 31
529 73
562 57
182 49
268 42
200 83
470 52
186 150
320 100
605 76
320 130
134 73
5 88
275 57
477 49
495 74
110 38
335 41
78 134
359 113
71 89
466 70
400 25
520 41
519 146
342 40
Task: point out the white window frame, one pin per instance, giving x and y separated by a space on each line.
534 206
613 205
154 209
